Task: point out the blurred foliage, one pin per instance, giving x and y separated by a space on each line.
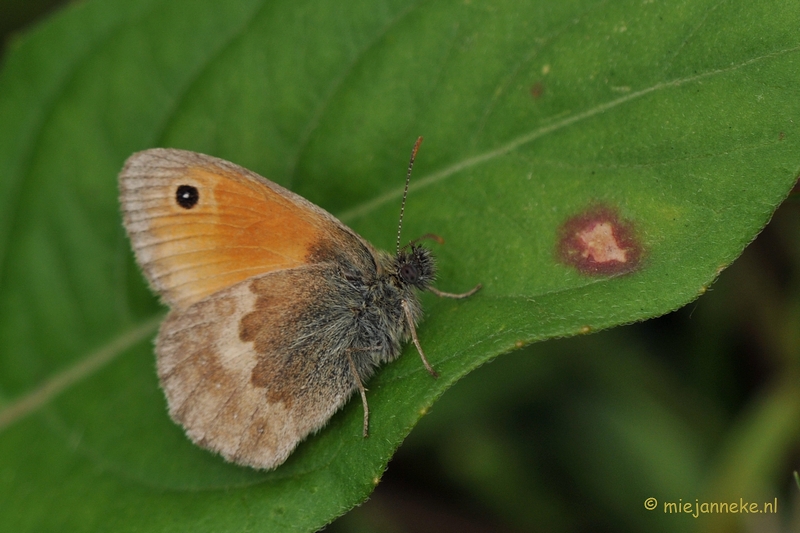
15 15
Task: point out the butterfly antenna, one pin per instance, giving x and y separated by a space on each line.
405 191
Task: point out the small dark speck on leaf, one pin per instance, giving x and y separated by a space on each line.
537 90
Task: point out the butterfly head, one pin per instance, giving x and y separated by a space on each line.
414 267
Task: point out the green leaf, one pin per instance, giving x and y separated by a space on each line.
676 123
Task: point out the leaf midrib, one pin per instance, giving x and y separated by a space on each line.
395 194
81 369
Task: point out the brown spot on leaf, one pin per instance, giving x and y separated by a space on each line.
537 90
598 242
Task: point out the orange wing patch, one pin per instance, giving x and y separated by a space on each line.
240 226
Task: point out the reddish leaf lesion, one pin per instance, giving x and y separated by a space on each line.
599 242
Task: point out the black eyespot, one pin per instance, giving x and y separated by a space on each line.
187 196
409 273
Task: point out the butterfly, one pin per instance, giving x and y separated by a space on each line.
278 312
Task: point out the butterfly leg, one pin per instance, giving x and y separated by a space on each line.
410 321
362 391
467 294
